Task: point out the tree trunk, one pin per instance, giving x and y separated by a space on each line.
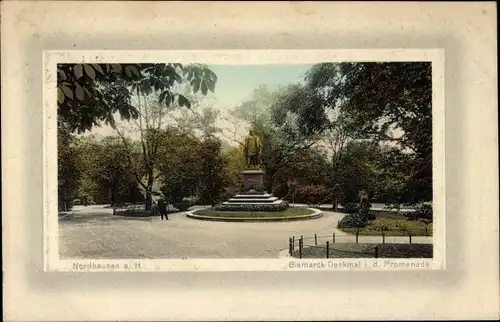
113 197
149 190
149 198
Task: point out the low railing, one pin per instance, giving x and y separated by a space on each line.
327 242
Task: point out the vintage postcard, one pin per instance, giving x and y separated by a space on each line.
244 160
209 161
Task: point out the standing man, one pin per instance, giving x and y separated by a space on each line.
162 207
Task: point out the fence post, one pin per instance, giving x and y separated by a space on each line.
409 236
293 243
327 249
333 238
315 240
301 243
290 249
376 251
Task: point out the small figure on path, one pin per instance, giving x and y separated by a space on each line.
162 208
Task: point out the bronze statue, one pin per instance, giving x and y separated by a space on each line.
253 150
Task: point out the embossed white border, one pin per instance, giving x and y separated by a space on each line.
236 57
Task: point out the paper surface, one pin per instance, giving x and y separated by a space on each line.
468 288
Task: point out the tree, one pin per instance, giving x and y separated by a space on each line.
305 176
105 177
202 121
289 121
386 102
179 172
256 109
92 93
68 163
235 164
296 124
212 175
156 93
114 174
356 170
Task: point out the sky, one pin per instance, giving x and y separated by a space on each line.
235 84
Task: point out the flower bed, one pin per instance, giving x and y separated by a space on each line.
271 207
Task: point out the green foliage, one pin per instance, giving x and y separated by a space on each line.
423 212
179 164
69 167
383 225
255 111
406 227
392 227
352 221
211 178
357 169
253 207
132 211
192 166
93 93
386 102
312 194
106 175
351 207
305 168
373 119
185 203
299 113
234 164
287 213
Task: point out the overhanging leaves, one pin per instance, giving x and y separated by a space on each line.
82 103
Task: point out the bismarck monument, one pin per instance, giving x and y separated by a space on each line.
253 197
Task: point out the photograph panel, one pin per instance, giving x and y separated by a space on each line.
323 158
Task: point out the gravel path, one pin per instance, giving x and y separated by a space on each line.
93 232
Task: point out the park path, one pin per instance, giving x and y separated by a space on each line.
93 232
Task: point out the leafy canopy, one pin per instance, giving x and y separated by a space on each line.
91 93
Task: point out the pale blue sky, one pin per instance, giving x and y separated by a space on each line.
235 83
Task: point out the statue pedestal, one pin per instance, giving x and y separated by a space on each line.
253 181
253 198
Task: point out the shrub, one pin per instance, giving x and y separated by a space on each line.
408 227
382 225
253 207
423 212
186 203
352 221
371 217
133 211
351 208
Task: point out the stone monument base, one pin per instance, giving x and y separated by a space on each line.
254 197
253 181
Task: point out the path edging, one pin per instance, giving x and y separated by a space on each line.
316 214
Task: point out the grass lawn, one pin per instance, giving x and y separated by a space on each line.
394 219
351 250
290 212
